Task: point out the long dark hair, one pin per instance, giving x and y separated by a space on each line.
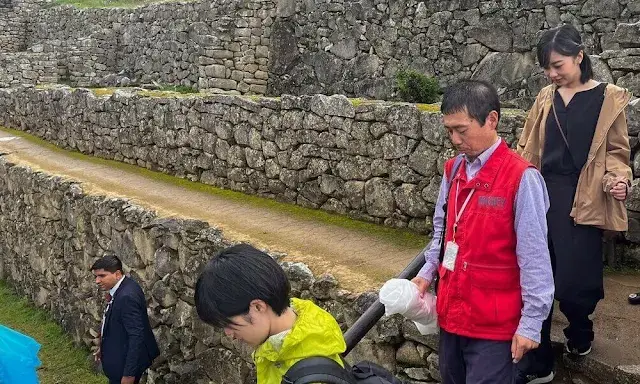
566 41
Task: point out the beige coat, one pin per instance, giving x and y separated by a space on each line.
607 162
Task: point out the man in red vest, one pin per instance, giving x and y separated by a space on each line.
495 282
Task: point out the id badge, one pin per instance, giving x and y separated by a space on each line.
450 255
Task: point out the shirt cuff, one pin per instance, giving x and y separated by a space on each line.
530 328
427 272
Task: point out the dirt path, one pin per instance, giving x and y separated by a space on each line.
357 260
616 323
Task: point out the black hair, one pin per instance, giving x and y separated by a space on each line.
476 97
235 277
109 263
566 41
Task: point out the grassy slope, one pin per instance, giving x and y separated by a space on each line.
61 361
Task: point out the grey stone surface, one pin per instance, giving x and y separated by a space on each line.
626 34
356 48
27 68
75 228
299 47
318 151
220 45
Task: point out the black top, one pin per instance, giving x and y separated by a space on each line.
578 120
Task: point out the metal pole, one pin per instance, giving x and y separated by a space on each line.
371 316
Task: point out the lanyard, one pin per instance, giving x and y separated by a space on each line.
457 214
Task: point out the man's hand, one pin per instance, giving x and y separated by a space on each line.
127 380
619 191
521 345
422 283
97 355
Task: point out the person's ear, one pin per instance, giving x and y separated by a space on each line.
491 121
258 306
580 57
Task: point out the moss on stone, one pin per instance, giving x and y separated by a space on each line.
103 91
159 93
113 3
431 108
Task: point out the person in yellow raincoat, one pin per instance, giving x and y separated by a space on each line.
245 292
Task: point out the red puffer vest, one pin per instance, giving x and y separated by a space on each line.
482 297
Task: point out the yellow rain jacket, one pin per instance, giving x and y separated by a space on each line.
315 333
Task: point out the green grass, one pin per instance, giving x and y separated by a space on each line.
632 269
400 237
178 88
61 361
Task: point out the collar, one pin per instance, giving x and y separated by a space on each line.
484 156
113 290
485 177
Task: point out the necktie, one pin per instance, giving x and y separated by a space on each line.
109 300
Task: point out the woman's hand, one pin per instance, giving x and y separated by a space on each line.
619 191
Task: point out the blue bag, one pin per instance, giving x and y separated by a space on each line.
18 357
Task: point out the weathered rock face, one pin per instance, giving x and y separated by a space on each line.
300 47
13 16
27 68
73 229
374 161
207 45
355 48
380 162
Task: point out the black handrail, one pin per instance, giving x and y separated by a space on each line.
371 316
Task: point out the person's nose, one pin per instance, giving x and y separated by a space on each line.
455 138
97 280
228 332
551 73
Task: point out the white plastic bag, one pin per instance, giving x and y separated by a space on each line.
402 296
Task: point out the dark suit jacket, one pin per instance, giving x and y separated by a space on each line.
128 346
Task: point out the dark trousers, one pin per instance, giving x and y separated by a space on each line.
464 360
576 259
111 381
579 334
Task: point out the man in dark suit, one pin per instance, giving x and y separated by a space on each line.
127 345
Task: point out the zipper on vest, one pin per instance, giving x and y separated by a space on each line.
485 266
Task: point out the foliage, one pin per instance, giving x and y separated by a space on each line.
177 88
414 87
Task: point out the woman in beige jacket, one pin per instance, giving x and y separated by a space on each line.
576 134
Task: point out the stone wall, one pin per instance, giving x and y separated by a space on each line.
27 68
354 47
53 232
374 161
378 161
12 27
18 66
206 45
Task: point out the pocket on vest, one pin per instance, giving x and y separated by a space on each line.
495 297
